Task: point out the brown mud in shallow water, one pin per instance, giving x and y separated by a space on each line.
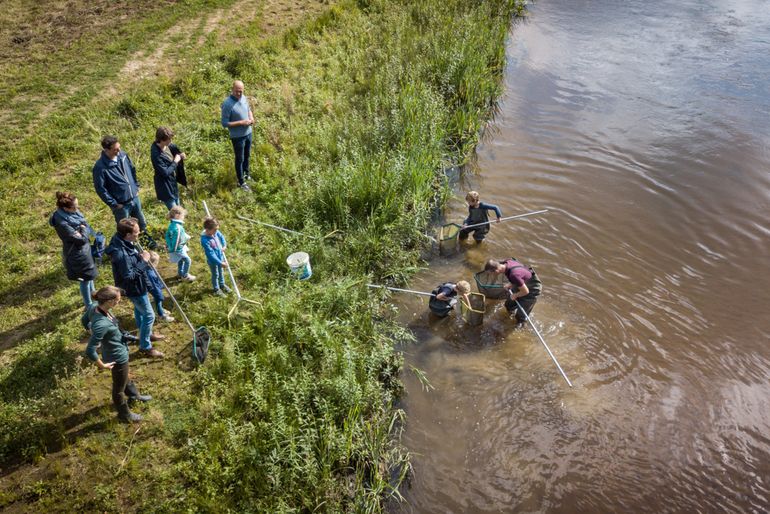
643 128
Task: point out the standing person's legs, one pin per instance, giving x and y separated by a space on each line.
135 210
170 203
145 318
158 301
214 275
122 213
239 144
183 266
480 233
527 304
246 154
119 383
86 288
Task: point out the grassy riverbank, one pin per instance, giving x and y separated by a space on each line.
359 107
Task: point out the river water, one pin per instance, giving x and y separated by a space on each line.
644 128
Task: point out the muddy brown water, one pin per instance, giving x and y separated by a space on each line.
644 127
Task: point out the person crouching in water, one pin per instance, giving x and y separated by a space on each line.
444 297
106 332
523 286
477 213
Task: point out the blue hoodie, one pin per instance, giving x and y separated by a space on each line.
213 246
128 268
115 181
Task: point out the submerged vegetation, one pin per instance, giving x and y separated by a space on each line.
359 109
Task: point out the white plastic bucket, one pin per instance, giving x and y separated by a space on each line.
299 263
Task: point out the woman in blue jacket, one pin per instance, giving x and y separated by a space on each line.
167 161
74 232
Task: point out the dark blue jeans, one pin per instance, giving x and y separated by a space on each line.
242 149
133 209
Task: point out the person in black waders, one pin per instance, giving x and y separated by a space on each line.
523 286
477 213
444 297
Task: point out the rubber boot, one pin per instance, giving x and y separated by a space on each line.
126 416
134 395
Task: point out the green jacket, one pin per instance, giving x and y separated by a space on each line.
107 332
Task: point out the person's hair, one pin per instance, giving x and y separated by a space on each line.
472 197
163 133
176 212
108 142
463 287
491 265
154 258
106 293
65 200
126 226
210 223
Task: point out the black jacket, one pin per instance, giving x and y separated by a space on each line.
165 173
76 252
128 268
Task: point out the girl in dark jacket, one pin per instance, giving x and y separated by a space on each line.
169 169
74 231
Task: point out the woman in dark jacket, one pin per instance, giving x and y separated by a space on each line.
74 231
169 168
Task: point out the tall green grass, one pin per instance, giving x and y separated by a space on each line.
358 112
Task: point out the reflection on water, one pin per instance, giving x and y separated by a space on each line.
644 128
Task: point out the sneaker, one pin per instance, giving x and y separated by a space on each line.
167 318
226 289
189 278
157 337
152 352
219 292
247 177
144 398
245 187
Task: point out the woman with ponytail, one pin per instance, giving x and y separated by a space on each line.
106 333
74 232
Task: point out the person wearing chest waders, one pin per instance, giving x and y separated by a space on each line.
445 297
523 286
477 213
106 333
74 231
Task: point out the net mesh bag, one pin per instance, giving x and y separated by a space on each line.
447 238
200 344
491 284
473 314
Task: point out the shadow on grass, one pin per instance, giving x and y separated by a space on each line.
37 326
40 285
34 375
59 434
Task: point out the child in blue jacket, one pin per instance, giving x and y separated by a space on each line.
156 288
214 244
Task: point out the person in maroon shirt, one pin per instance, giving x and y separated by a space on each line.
523 286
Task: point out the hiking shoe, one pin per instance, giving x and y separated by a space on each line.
167 318
152 352
219 292
245 187
139 398
226 289
189 278
157 337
